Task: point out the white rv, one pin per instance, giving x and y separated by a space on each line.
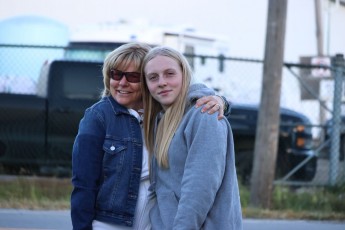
204 52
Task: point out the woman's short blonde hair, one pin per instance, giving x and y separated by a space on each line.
121 58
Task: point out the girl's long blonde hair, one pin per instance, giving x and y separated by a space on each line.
159 143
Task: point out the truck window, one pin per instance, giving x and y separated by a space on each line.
82 81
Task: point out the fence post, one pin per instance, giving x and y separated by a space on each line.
338 68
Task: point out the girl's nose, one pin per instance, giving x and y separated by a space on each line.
162 81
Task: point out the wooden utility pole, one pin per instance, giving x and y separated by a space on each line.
319 28
320 53
265 152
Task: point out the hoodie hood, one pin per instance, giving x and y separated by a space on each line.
197 91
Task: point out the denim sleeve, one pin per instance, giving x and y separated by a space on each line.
87 158
204 169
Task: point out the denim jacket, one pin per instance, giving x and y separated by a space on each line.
106 166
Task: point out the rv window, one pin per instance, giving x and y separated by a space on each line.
189 51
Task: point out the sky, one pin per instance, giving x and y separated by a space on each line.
230 18
242 22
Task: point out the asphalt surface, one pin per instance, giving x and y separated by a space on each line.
13 219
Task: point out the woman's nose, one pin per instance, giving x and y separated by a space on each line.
123 80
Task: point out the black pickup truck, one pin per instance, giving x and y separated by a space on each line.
295 142
37 131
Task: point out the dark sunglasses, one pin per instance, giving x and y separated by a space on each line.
133 77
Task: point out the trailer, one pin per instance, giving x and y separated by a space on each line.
205 52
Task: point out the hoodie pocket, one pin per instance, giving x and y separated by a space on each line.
167 205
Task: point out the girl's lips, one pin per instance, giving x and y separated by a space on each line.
164 92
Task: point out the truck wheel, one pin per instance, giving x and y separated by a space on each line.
283 165
283 162
244 164
342 148
20 169
3 148
11 169
307 171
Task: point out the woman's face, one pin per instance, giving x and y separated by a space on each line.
163 77
127 93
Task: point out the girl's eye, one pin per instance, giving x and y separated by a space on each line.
152 77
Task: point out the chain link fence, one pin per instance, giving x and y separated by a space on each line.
307 127
325 93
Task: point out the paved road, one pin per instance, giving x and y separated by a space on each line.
60 220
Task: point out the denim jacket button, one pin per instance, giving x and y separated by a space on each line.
112 148
133 196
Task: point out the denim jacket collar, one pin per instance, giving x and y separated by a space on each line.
117 108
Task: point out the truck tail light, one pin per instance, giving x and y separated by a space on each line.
302 139
300 142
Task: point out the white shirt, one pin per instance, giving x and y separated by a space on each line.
145 164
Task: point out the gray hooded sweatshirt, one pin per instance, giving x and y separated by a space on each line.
199 190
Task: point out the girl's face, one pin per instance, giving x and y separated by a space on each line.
163 77
127 93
